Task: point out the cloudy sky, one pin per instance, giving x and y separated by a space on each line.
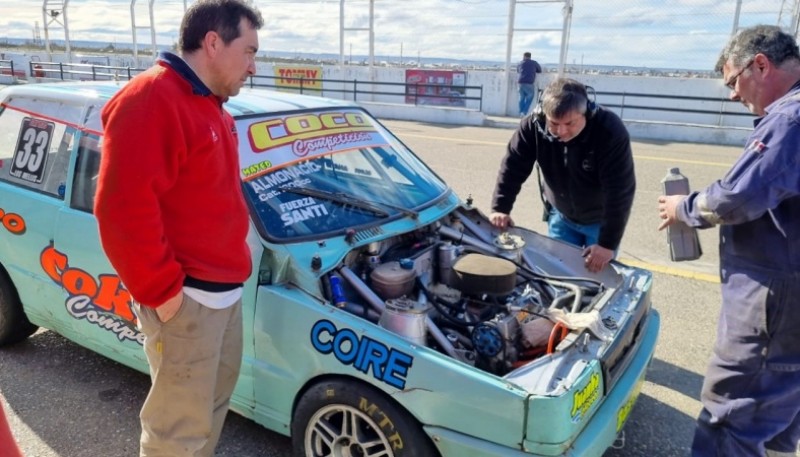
653 33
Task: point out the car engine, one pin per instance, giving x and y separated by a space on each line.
454 287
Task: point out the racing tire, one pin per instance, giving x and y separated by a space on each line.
348 418
14 324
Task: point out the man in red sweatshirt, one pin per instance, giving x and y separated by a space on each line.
173 222
8 447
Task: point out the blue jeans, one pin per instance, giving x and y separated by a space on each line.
581 235
526 92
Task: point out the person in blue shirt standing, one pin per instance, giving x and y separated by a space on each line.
751 391
526 71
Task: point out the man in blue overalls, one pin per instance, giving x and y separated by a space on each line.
751 392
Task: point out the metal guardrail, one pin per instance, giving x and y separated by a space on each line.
443 95
418 94
622 105
82 72
7 69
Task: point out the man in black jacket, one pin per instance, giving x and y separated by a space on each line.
584 153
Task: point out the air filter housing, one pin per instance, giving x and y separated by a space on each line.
482 274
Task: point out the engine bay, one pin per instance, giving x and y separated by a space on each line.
455 287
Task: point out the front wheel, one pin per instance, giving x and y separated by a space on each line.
14 324
347 418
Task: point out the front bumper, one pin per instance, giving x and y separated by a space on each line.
596 437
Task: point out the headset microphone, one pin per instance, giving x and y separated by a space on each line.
541 127
540 121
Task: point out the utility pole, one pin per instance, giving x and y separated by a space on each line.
55 11
736 14
370 29
150 26
564 29
788 16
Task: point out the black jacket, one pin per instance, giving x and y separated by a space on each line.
589 179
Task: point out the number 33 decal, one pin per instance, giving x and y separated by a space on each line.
31 153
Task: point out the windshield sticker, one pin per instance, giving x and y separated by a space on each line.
363 353
12 222
257 168
301 210
287 177
305 136
331 165
30 156
101 301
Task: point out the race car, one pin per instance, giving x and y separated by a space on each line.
384 316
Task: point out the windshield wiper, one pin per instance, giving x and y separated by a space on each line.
336 197
347 199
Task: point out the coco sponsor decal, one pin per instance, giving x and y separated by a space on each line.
305 136
363 353
101 301
12 222
583 399
278 132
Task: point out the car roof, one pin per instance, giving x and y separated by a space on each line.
248 102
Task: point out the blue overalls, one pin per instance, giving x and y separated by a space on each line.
751 392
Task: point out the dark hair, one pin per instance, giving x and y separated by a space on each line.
769 40
221 16
527 54
563 96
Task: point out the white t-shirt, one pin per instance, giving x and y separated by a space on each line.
214 300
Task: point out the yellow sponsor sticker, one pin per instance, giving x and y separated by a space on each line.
625 410
583 399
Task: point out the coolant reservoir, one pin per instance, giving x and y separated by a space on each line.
391 280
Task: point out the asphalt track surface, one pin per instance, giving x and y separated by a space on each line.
65 401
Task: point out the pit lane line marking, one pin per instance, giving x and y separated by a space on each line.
672 271
635 156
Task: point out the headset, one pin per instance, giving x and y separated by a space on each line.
540 119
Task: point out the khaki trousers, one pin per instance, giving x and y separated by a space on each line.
194 364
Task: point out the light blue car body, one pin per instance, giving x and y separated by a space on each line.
562 403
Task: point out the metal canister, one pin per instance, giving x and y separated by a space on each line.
337 292
510 246
406 317
448 254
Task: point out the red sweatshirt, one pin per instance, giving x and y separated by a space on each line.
169 200
8 447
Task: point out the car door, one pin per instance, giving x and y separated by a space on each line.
37 136
96 301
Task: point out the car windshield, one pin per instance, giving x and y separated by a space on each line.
312 173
